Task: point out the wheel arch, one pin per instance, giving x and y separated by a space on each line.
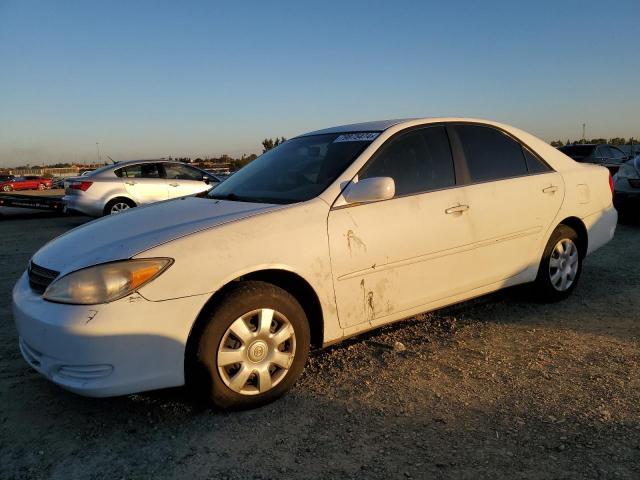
117 197
289 281
583 236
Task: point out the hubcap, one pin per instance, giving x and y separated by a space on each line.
563 264
119 207
256 351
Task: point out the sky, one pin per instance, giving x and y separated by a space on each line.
150 79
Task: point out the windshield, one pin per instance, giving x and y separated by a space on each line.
297 170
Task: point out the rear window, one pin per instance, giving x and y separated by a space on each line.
577 152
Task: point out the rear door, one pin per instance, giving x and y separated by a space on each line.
513 199
144 182
184 180
392 256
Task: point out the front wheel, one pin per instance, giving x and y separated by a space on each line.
251 349
561 265
7 188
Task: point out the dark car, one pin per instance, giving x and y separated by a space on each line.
627 189
602 154
29 182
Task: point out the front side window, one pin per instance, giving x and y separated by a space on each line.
490 154
295 171
418 161
182 172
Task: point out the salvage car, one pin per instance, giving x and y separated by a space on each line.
28 182
330 234
115 188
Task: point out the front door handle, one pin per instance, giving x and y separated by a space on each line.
130 183
550 189
173 185
456 209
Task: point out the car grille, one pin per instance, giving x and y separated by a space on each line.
40 278
634 182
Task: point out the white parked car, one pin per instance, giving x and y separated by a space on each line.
114 188
330 234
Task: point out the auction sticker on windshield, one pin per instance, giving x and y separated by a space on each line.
357 137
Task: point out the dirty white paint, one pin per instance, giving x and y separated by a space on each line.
368 263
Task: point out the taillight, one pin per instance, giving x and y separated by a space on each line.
611 183
84 186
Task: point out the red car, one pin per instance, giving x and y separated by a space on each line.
28 182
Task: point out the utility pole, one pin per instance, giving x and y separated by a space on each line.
583 135
98 148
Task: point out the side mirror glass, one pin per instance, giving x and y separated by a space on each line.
370 190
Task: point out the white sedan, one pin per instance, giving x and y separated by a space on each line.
124 185
330 234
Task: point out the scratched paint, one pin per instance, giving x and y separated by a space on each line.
353 241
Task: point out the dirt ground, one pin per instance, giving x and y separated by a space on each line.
495 388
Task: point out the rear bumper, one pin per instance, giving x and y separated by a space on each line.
82 204
126 346
601 227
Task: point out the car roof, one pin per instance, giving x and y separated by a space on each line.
374 126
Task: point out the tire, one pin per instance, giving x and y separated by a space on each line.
118 205
42 186
560 267
7 188
221 339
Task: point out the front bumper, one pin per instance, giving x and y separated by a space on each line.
126 346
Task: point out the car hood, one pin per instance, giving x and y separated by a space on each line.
124 235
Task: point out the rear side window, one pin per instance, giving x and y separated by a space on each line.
418 161
490 154
534 164
141 170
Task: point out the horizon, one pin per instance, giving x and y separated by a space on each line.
193 80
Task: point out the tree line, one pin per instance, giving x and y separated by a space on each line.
611 141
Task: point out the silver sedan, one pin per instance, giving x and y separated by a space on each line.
115 188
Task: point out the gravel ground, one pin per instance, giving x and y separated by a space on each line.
495 388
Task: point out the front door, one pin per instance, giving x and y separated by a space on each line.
392 256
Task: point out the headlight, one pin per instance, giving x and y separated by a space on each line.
627 171
106 282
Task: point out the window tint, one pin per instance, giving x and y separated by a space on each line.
182 172
534 164
142 170
490 154
417 161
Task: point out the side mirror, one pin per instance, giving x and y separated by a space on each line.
206 179
370 190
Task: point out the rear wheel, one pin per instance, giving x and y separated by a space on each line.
41 186
7 188
561 265
251 349
118 205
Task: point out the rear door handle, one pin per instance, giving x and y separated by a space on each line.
551 189
130 183
173 185
456 209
